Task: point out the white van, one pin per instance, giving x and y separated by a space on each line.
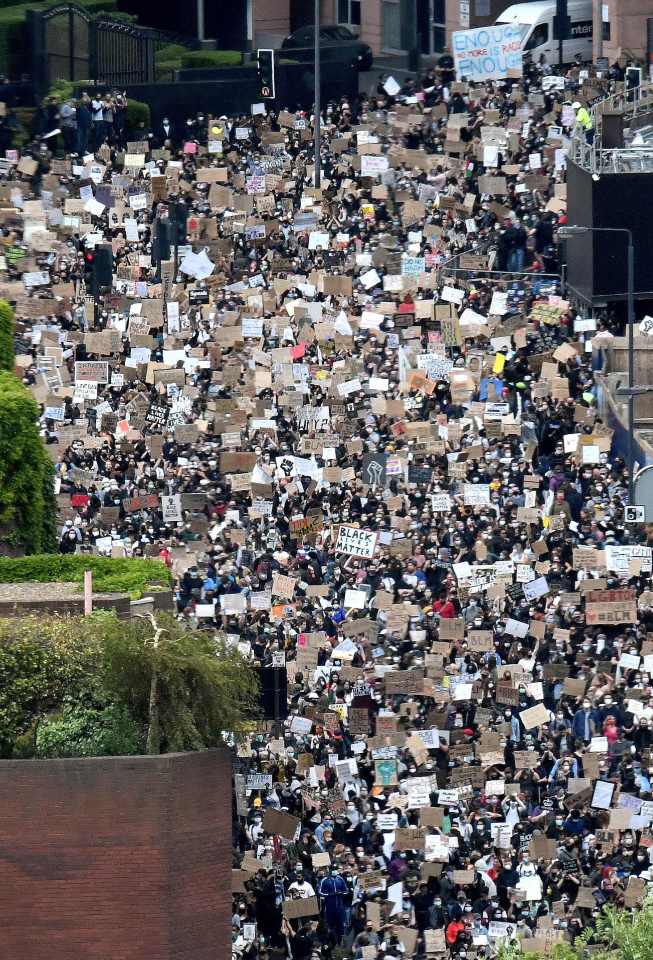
536 19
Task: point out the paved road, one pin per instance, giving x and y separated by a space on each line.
388 66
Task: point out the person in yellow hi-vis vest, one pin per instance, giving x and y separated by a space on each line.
584 119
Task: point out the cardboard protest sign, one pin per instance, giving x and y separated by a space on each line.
302 907
487 53
355 542
278 822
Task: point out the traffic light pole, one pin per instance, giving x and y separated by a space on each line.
318 108
172 218
561 19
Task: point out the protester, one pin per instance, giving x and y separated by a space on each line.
375 458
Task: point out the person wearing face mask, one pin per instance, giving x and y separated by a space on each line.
437 914
642 863
515 726
583 725
608 708
333 892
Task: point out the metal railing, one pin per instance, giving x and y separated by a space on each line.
504 276
453 269
632 159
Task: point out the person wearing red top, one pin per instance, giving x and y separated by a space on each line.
610 730
444 607
454 929
407 305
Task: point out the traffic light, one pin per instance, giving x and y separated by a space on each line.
178 218
265 62
103 267
89 257
561 21
274 692
162 241
98 268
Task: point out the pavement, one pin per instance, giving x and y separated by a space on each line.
393 66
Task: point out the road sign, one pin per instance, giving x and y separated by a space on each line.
643 493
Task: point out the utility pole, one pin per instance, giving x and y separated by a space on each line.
172 219
631 368
200 20
561 26
317 94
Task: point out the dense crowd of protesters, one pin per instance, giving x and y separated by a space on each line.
361 425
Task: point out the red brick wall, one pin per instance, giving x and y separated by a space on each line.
125 858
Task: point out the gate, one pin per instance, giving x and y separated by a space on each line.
123 53
69 44
61 44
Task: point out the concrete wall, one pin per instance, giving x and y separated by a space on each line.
118 858
370 31
627 28
617 362
271 21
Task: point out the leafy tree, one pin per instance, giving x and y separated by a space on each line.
27 505
187 688
7 354
82 686
617 934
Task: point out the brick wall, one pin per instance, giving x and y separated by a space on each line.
121 858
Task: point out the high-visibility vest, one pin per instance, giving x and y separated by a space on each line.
583 117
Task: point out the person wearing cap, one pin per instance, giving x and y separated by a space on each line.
584 120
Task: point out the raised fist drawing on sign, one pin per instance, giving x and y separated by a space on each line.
374 473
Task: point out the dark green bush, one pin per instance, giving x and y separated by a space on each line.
26 493
171 51
25 132
98 685
137 114
7 355
211 58
120 16
110 575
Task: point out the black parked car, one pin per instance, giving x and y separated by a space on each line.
336 43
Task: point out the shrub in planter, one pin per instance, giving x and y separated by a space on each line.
211 58
137 117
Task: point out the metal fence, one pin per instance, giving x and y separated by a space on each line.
69 44
593 157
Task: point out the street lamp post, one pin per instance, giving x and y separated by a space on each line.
575 231
316 129
200 20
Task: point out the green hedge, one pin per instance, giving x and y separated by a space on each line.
15 48
27 504
210 59
110 575
171 51
7 355
137 113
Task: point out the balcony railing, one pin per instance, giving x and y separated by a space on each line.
630 159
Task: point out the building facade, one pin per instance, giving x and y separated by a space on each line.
620 29
116 858
388 26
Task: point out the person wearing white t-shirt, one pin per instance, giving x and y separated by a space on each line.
300 886
97 121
